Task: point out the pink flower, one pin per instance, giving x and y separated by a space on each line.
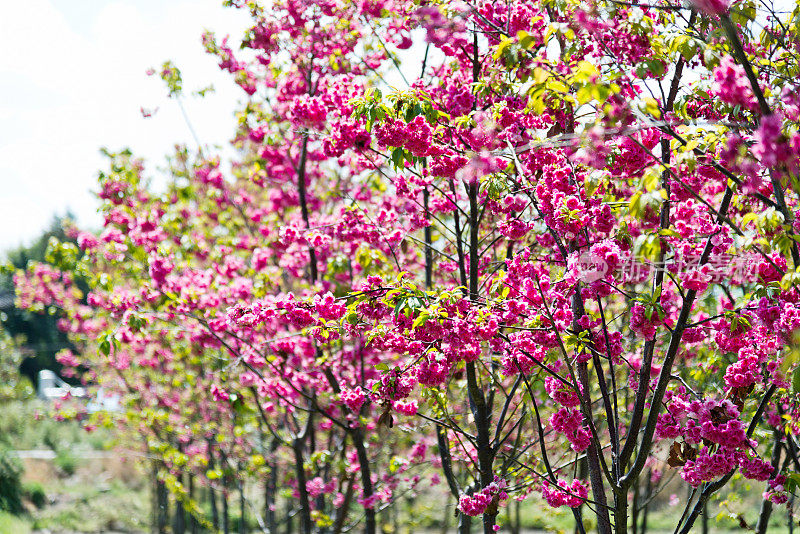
731 84
408 407
476 504
219 394
712 7
563 494
353 398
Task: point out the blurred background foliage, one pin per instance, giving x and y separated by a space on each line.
36 336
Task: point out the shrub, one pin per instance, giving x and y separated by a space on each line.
34 492
10 486
66 461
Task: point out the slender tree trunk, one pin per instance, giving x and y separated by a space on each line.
153 500
179 519
766 504
646 508
645 512
635 510
193 524
343 510
464 524
242 510
356 434
428 242
162 504
300 473
212 497
513 521
366 478
593 453
226 526
704 519
270 487
583 469
289 522
464 521
480 409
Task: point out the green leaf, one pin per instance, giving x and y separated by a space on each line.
421 320
398 157
557 86
796 381
105 346
501 48
651 107
586 72
656 66
585 94
792 481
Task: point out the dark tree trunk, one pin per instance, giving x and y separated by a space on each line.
766 505
194 526
212 497
179 519
226 527
704 520
269 498
162 507
300 472
242 511
366 478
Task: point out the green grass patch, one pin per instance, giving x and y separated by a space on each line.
91 507
29 425
11 524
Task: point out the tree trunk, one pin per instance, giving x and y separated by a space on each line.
704 519
212 497
226 527
300 473
242 510
646 508
366 478
194 526
162 507
179 519
269 498
766 504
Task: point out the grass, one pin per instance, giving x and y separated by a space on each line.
76 506
71 493
85 507
10 524
29 425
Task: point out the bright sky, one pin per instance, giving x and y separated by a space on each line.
72 79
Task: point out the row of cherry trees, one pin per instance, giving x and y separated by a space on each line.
559 260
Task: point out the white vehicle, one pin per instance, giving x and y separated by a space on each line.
51 387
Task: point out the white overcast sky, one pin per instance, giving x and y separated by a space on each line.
72 80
